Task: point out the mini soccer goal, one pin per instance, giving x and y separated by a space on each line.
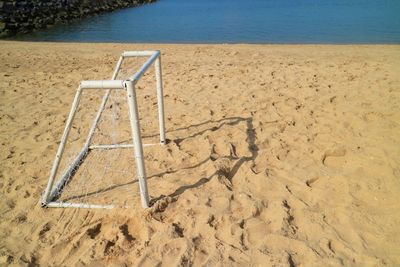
55 186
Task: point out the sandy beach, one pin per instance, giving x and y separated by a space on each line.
278 155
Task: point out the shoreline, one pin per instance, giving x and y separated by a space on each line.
199 44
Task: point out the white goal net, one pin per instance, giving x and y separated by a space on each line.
100 161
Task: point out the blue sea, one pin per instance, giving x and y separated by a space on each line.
238 21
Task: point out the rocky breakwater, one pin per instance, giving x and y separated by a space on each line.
18 16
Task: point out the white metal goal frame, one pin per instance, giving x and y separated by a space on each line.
53 190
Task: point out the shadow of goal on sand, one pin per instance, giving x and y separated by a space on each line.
225 175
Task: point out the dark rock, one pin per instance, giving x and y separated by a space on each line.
19 16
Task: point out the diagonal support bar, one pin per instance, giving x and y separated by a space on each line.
56 164
145 66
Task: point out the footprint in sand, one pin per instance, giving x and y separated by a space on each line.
334 158
46 227
293 103
254 228
125 232
223 169
93 232
311 181
372 116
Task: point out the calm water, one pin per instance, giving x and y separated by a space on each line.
239 21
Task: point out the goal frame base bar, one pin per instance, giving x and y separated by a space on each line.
55 204
52 192
117 146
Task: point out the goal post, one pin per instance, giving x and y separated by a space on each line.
53 189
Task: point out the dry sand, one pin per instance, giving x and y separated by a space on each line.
280 155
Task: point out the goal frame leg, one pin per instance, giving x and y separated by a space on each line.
137 140
160 100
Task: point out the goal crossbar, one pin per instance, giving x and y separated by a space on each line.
54 189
